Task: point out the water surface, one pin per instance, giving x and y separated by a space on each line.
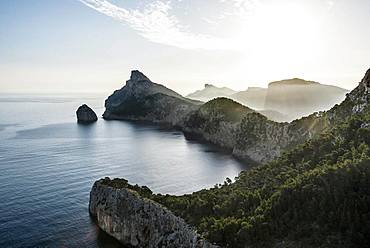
48 164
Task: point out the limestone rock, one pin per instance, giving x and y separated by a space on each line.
141 99
85 114
137 221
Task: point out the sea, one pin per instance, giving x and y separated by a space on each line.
48 164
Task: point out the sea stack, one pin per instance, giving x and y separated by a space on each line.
86 115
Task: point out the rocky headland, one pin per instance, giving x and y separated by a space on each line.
246 133
141 99
314 195
123 211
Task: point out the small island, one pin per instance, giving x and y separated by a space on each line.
86 115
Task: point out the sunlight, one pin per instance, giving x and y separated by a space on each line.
279 37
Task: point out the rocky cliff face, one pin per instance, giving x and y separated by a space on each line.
250 135
137 221
85 114
226 123
141 99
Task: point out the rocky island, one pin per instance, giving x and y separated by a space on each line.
86 115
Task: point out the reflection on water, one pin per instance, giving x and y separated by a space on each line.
48 164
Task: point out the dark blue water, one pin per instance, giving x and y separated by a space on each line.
48 164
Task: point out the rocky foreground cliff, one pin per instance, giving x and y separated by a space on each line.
122 212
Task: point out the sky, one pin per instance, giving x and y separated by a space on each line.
92 45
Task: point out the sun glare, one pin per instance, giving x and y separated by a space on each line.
275 36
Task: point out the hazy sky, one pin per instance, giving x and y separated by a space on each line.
92 45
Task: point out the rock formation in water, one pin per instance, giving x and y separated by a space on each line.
85 114
210 92
137 221
141 99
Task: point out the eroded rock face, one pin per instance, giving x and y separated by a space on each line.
142 99
85 114
139 222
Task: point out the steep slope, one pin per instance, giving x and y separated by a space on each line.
297 97
224 122
252 136
216 121
210 92
315 195
141 99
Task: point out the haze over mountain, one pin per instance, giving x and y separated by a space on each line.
297 97
210 92
283 100
253 97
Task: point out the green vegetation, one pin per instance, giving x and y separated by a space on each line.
211 114
316 195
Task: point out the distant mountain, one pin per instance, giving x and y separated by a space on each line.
210 92
253 97
296 97
141 99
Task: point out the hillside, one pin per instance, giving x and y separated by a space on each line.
244 132
315 195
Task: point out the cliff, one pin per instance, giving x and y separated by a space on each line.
226 123
314 195
252 136
141 99
123 212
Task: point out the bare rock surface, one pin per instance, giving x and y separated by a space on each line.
85 114
137 221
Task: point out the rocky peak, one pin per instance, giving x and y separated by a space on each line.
209 86
138 76
366 80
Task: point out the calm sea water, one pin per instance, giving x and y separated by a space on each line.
48 164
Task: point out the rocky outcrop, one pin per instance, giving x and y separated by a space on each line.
141 99
85 114
136 221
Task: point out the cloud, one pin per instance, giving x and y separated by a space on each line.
156 24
